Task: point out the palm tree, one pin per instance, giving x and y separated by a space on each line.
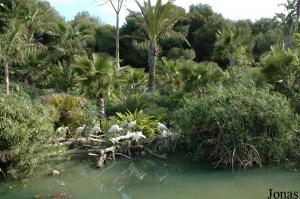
133 80
12 48
158 23
229 42
290 20
96 77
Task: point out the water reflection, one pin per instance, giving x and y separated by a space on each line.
151 178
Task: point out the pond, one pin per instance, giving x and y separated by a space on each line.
150 178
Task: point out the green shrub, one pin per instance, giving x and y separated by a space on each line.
70 111
144 123
33 92
129 103
90 118
196 76
25 134
179 53
238 126
159 106
281 68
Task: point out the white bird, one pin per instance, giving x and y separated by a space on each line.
165 134
61 130
138 135
162 127
96 129
131 124
280 81
114 129
79 130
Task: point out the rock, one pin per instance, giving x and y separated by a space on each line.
39 196
55 173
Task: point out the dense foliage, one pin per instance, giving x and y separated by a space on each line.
26 132
238 126
228 90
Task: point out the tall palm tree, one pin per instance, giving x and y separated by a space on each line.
290 20
12 48
96 77
158 23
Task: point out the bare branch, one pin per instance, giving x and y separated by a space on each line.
120 5
102 4
112 4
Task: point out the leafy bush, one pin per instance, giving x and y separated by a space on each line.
196 76
179 53
238 126
90 118
144 123
33 92
133 80
159 106
25 134
129 103
71 111
281 68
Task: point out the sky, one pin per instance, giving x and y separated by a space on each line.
232 9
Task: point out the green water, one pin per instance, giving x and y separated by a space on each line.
149 178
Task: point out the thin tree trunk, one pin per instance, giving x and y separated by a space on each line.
118 40
231 61
7 79
298 15
290 38
101 107
152 58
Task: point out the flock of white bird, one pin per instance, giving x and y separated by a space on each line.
136 136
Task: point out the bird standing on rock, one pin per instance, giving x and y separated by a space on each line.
114 129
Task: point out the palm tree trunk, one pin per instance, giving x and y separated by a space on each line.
7 79
101 107
118 40
152 58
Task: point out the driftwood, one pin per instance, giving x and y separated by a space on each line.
128 136
103 155
95 139
102 160
96 146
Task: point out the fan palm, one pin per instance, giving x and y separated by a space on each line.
158 21
96 77
133 79
229 41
